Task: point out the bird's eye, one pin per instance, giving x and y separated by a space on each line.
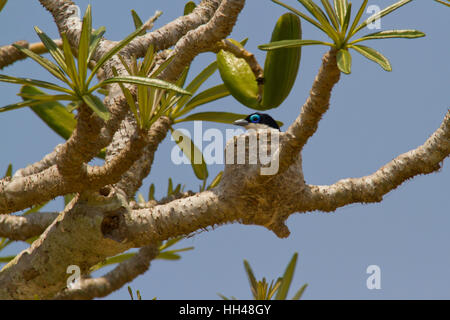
255 118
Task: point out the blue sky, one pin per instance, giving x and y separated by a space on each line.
374 116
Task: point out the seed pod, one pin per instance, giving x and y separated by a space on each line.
281 66
238 77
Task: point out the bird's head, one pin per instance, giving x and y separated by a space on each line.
258 121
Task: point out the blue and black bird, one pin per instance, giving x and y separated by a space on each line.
258 121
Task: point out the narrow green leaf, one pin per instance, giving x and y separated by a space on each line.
251 277
2 4
46 97
381 14
198 81
388 34
216 180
68 197
209 95
113 260
163 65
348 15
221 117
53 49
168 256
70 62
340 6
300 14
169 243
97 106
47 64
126 66
287 279
331 13
83 46
300 292
142 81
191 152
151 192
96 36
344 61
373 55
170 187
8 172
130 100
6 259
137 22
34 82
114 51
19 105
358 16
53 114
315 10
148 61
189 7
291 44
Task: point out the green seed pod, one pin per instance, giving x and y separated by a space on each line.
281 66
238 77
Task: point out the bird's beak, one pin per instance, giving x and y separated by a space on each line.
241 122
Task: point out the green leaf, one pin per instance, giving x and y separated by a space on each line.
216 180
52 48
2 4
168 256
373 55
142 81
209 95
191 152
331 13
170 187
291 44
68 197
8 172
344 61
340 6
189 7
321 17
47 64
19 105
83 46
251 277
113 260
137 22
114 51
6 259
300 292
381 14
198 81
151 192
302 15
70 62
347 18
97 106
130 100
96 36
221 117
287 279
389 34
46 97
33 82
357 18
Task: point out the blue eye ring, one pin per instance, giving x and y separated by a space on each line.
255 118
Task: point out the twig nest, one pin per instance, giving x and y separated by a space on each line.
252 178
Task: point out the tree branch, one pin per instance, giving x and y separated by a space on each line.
25 227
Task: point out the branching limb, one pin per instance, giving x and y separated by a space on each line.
127 271
425 159
25 227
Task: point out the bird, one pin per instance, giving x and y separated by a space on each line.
258 121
